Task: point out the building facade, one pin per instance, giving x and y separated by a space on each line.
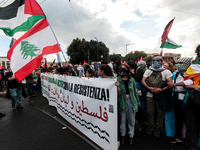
4 62
174 56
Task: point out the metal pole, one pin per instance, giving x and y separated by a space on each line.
97 47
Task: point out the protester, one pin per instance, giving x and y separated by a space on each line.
128 102
137 74
15 89
169 66
142 65
75 68
90 73
1 79
105 71
154 85
96 66
136 71
178 94
29 84
192 113
80 71
85 67
117 66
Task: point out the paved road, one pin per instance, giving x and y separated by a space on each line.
39 127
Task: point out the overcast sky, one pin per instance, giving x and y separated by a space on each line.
121 22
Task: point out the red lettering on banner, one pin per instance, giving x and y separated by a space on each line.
103 117
72 103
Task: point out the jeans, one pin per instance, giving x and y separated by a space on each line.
130 115
15 94
32 89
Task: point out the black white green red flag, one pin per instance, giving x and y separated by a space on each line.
165 41
27 52
20 16
170 44
166 31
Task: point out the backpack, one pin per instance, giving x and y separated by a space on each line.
155 79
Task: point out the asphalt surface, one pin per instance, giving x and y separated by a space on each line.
39 127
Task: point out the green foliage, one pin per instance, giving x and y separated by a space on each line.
135 56
28 49
149 59
114 57
78 51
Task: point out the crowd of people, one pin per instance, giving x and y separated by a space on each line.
144 92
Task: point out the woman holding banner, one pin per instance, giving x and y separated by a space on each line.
128 102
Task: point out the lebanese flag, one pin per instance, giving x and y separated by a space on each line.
20 16
27 52
166 31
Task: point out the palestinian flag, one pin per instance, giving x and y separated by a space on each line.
166 31
170 44
20 16
27 52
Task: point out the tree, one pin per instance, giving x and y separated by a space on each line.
114 57
149 59
135 56
28 49
79 50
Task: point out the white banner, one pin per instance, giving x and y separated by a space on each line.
90 105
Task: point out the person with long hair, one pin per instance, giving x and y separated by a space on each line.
170 66
90 73
128 101
105 71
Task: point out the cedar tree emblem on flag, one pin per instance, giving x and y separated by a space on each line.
27 52
28 49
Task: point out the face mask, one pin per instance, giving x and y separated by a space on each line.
157 64
123 72
182 67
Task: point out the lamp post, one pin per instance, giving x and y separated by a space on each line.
128 45
101 57
97 48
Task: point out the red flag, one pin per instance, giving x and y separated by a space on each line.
124 62
136 62
121 61
45 64
166 31
141 58
84 62
161 52
80 63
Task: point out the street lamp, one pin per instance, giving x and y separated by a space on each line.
101 57
128 45
97 48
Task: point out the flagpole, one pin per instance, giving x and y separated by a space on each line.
56 40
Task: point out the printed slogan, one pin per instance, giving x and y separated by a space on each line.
90 105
